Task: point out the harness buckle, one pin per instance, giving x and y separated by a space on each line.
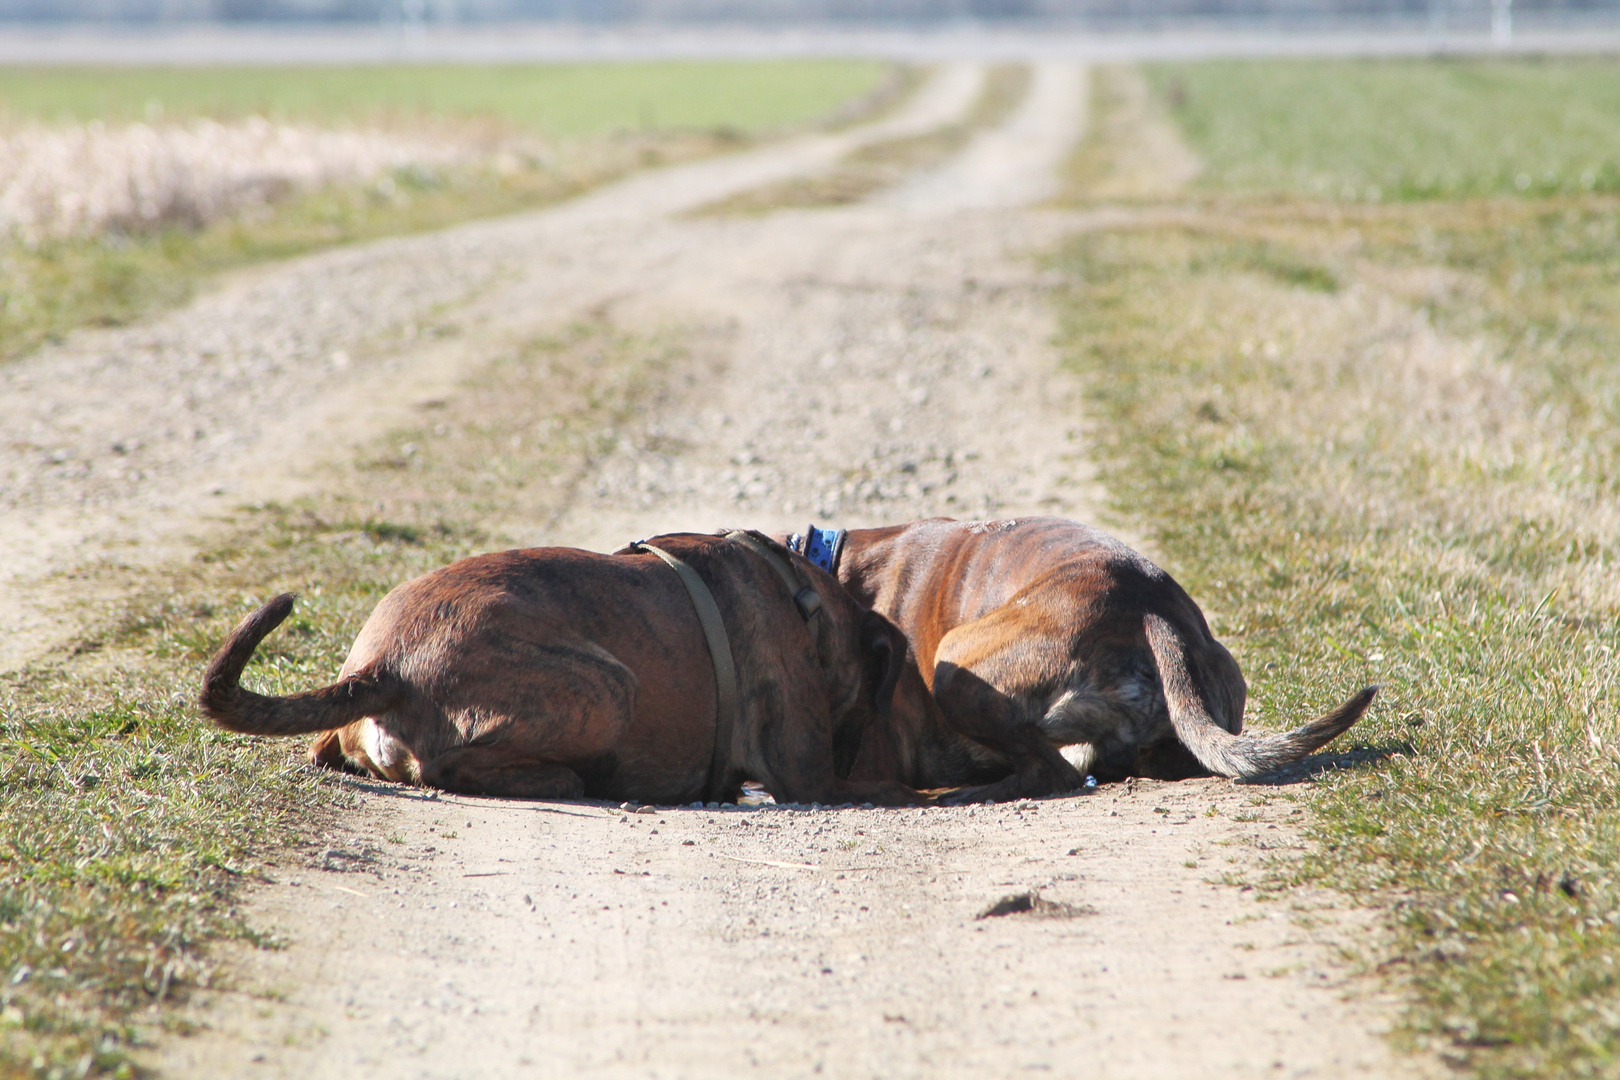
808 601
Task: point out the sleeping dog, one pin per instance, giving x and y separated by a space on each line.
669 672
1063 650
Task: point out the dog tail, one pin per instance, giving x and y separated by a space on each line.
1219 750
225 702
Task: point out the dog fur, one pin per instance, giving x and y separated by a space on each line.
557 673
1041 636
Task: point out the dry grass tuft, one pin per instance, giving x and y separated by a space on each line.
58 182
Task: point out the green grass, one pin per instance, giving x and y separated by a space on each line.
1382 444
1375 130
566 100
128 825
125 831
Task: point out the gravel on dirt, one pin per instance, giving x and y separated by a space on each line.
586 940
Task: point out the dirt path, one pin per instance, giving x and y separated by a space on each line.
452 938
883 362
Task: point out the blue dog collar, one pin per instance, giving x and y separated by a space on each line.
821 546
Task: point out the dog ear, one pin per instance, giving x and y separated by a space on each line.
883 651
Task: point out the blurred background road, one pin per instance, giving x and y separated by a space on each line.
1588 30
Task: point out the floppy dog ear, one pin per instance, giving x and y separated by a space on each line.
883 653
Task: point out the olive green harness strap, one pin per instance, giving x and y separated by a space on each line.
805 598
725 669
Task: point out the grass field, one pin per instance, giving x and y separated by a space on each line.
1381 443
561 100
128 823
597 122
1400 129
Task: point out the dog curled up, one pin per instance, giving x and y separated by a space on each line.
1060 649
558 673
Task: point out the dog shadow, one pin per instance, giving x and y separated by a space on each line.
392 789
1303 771
1317 766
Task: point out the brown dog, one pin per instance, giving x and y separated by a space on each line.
1042 633
556 673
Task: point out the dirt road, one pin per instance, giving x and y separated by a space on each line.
881 362
122 446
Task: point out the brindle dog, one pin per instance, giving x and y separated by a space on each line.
556 673
1062 650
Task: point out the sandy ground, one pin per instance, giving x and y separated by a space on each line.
453 937
880 362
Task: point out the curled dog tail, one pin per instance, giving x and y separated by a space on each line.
1219 750
225 702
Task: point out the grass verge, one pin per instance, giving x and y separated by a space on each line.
883 164
129 827
56 286
1131 151
1382 444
